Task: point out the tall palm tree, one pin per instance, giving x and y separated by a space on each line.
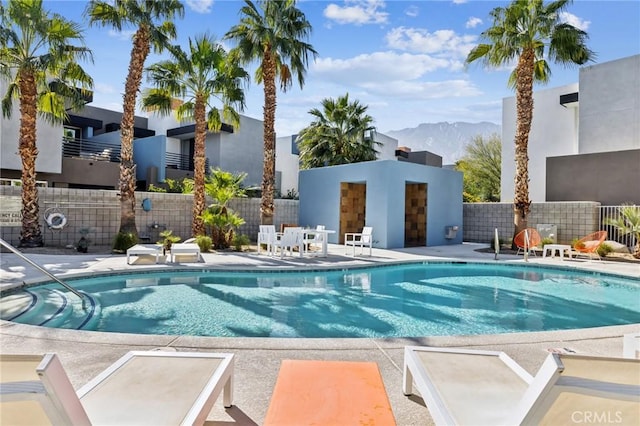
197 76
146 16
40 64
274 37
341 133
531 33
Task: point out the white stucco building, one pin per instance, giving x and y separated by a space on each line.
599 114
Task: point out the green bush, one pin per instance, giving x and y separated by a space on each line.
604 249
153 188
124 241
546 241
239 241
204 242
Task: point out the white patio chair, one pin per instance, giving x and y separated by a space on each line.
475 387
290 239
314 238
267 236
142 388
362 240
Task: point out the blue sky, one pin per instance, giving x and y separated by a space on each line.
404 59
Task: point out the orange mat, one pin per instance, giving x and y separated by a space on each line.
329 393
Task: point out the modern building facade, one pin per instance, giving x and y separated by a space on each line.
407 204
584 143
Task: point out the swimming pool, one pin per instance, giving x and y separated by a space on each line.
425 299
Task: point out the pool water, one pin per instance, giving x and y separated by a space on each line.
388 301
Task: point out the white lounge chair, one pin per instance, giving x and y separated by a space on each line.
267 236
144 249
141 388
185 249
362 240
631 345
290 239
474 387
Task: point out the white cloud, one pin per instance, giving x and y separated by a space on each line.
200 6
412 11
574 20
445 43
424 89
122 35
378 66
460 1
357 12
473 22
104 88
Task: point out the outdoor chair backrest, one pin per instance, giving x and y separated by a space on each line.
591 242
367 231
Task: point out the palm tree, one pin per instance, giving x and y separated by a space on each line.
274 37
145 17
529 32
39 62
628 223
202 73
223 186
342 133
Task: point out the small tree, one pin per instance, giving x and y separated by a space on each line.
628 223
481 167
222 222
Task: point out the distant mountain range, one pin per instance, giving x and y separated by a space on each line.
447 140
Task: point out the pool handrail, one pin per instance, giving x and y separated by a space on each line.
44 271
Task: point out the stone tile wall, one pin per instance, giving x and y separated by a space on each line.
573 219
99 211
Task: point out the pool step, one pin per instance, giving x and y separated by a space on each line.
50 307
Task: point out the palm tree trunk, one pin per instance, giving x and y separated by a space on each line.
197 225
524 113
30 235
139 54
269 170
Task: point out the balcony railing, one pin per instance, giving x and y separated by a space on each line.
98 151
90 150
182 162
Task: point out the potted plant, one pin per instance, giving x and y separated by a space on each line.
167 240
83 243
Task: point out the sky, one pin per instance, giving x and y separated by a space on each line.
405 60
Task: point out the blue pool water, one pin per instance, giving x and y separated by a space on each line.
389 301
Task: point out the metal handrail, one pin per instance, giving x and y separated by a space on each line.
41 269
90 150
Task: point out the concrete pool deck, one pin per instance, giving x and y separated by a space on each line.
84 353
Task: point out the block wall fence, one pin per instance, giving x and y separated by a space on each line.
573 220
99 211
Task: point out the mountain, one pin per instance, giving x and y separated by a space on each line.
447 140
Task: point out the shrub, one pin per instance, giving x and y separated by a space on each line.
546 241
124 241
204 242
168 239
604 249
153 188
239 241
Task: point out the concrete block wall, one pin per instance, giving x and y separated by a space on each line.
99 210
286 211
573 219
